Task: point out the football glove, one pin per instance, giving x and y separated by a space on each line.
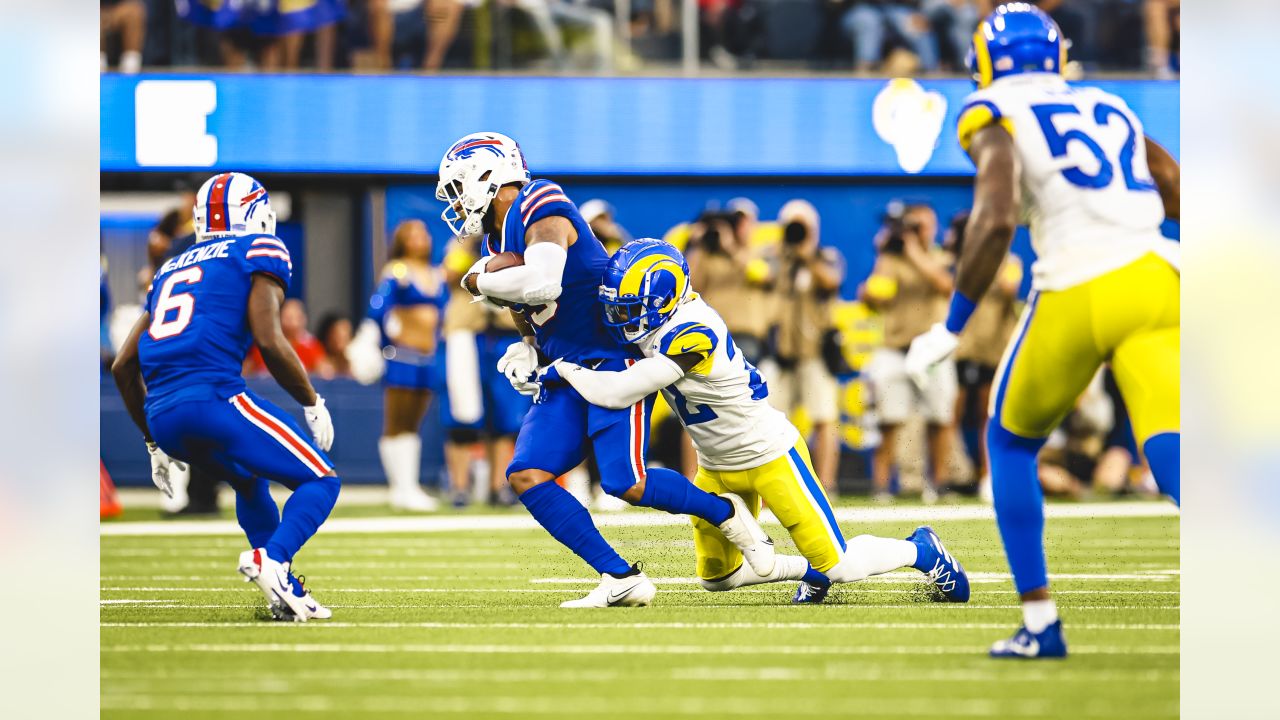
319 423
519 363
927 350
161 465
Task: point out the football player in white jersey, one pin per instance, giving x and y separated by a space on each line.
744 445
1075 165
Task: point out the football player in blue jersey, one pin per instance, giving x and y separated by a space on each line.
486 187
179 374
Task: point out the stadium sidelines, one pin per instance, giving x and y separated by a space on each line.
457 523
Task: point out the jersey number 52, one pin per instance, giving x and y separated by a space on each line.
185 303
1059 143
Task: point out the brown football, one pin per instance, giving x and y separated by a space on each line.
504 260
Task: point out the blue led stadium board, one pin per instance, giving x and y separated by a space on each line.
400 125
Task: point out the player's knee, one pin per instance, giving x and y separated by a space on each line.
724 584
618 483
522 480
851 568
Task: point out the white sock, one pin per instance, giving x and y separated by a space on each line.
1039 614
401 457
868 555
130 62
787 567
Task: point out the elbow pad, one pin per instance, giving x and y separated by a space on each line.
548 259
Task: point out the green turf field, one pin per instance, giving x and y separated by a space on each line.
466 623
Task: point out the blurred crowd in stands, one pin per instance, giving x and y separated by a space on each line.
834 364
890 37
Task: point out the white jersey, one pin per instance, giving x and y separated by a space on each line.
721 401
1087 191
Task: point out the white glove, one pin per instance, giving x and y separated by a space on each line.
364 353
477 268
927 350
161 464
519 363
319 423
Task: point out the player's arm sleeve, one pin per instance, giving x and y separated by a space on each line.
977 114
621 388
535 283
691 345
270 256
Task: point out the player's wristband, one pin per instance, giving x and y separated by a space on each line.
961 308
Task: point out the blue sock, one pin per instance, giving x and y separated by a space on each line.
570 523
306 509
256 511
813 577
1019 504
668 490
1164 455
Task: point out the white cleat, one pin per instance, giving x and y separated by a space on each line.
315 611
413 499
743 530
272 579
628 591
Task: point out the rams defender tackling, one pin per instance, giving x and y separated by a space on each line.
487 189
1074 163
203 310
744 445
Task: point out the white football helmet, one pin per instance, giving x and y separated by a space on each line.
233 204
470 175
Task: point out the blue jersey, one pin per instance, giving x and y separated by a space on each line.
199 333
571 327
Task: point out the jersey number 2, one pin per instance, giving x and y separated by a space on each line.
185 303
1102 115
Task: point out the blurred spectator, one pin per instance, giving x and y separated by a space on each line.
733 276
869 23
443 19
982 345
173 235
106 351
335 336
1071 455
1164 25
809 278
953 23
729 31
599 216
480 410
293 322
270 33
128 20
909 285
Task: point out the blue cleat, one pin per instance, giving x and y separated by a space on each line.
810 593
933 560
1028 645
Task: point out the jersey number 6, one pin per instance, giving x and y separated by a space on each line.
184 303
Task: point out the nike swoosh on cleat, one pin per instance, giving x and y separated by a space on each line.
619 596
310 608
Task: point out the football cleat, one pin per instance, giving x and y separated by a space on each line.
810 593
943 570
315 610
631 590
743 530
1028 645
273 580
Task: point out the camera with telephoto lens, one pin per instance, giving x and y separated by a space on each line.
897 227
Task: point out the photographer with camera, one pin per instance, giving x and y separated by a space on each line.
909 286
732 276
808 282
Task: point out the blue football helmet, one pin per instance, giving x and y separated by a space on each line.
1015 38
644 282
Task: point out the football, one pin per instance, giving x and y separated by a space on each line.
504 260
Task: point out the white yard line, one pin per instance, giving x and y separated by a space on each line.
635 626
458 523
565 649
